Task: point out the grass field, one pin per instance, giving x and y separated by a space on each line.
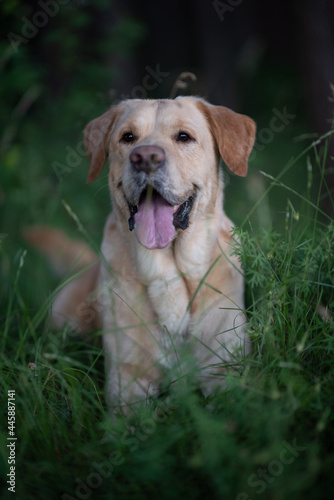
269 435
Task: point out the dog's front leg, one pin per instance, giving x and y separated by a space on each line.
130 345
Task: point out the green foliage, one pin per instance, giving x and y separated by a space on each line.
291 282
60 74
267 434
52 85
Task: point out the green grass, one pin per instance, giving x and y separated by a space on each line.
268 435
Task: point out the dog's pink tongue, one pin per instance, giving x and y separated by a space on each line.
154 222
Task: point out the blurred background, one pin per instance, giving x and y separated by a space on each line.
62 63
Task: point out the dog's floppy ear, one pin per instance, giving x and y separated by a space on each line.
234 135
97 135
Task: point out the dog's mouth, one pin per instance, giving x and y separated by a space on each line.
155 220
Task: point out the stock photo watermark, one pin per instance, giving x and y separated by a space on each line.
131 439
40 18
150 82
222 8
87 311
265 135
11 445
267 475
74 156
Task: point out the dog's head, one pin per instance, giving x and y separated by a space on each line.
164 160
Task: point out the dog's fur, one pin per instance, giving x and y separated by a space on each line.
159 289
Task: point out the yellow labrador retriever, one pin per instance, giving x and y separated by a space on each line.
167 283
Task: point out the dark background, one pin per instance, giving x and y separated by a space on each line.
63 64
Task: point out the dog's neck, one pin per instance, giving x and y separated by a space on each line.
193 247
172 274
190 253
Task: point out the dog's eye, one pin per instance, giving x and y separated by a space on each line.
183 137
128 137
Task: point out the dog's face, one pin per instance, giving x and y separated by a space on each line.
164 160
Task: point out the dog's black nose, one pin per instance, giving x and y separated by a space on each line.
147 158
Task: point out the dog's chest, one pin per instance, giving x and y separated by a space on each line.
167 280
167 291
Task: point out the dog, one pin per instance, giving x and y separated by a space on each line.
167 286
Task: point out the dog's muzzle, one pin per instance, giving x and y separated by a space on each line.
154 218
